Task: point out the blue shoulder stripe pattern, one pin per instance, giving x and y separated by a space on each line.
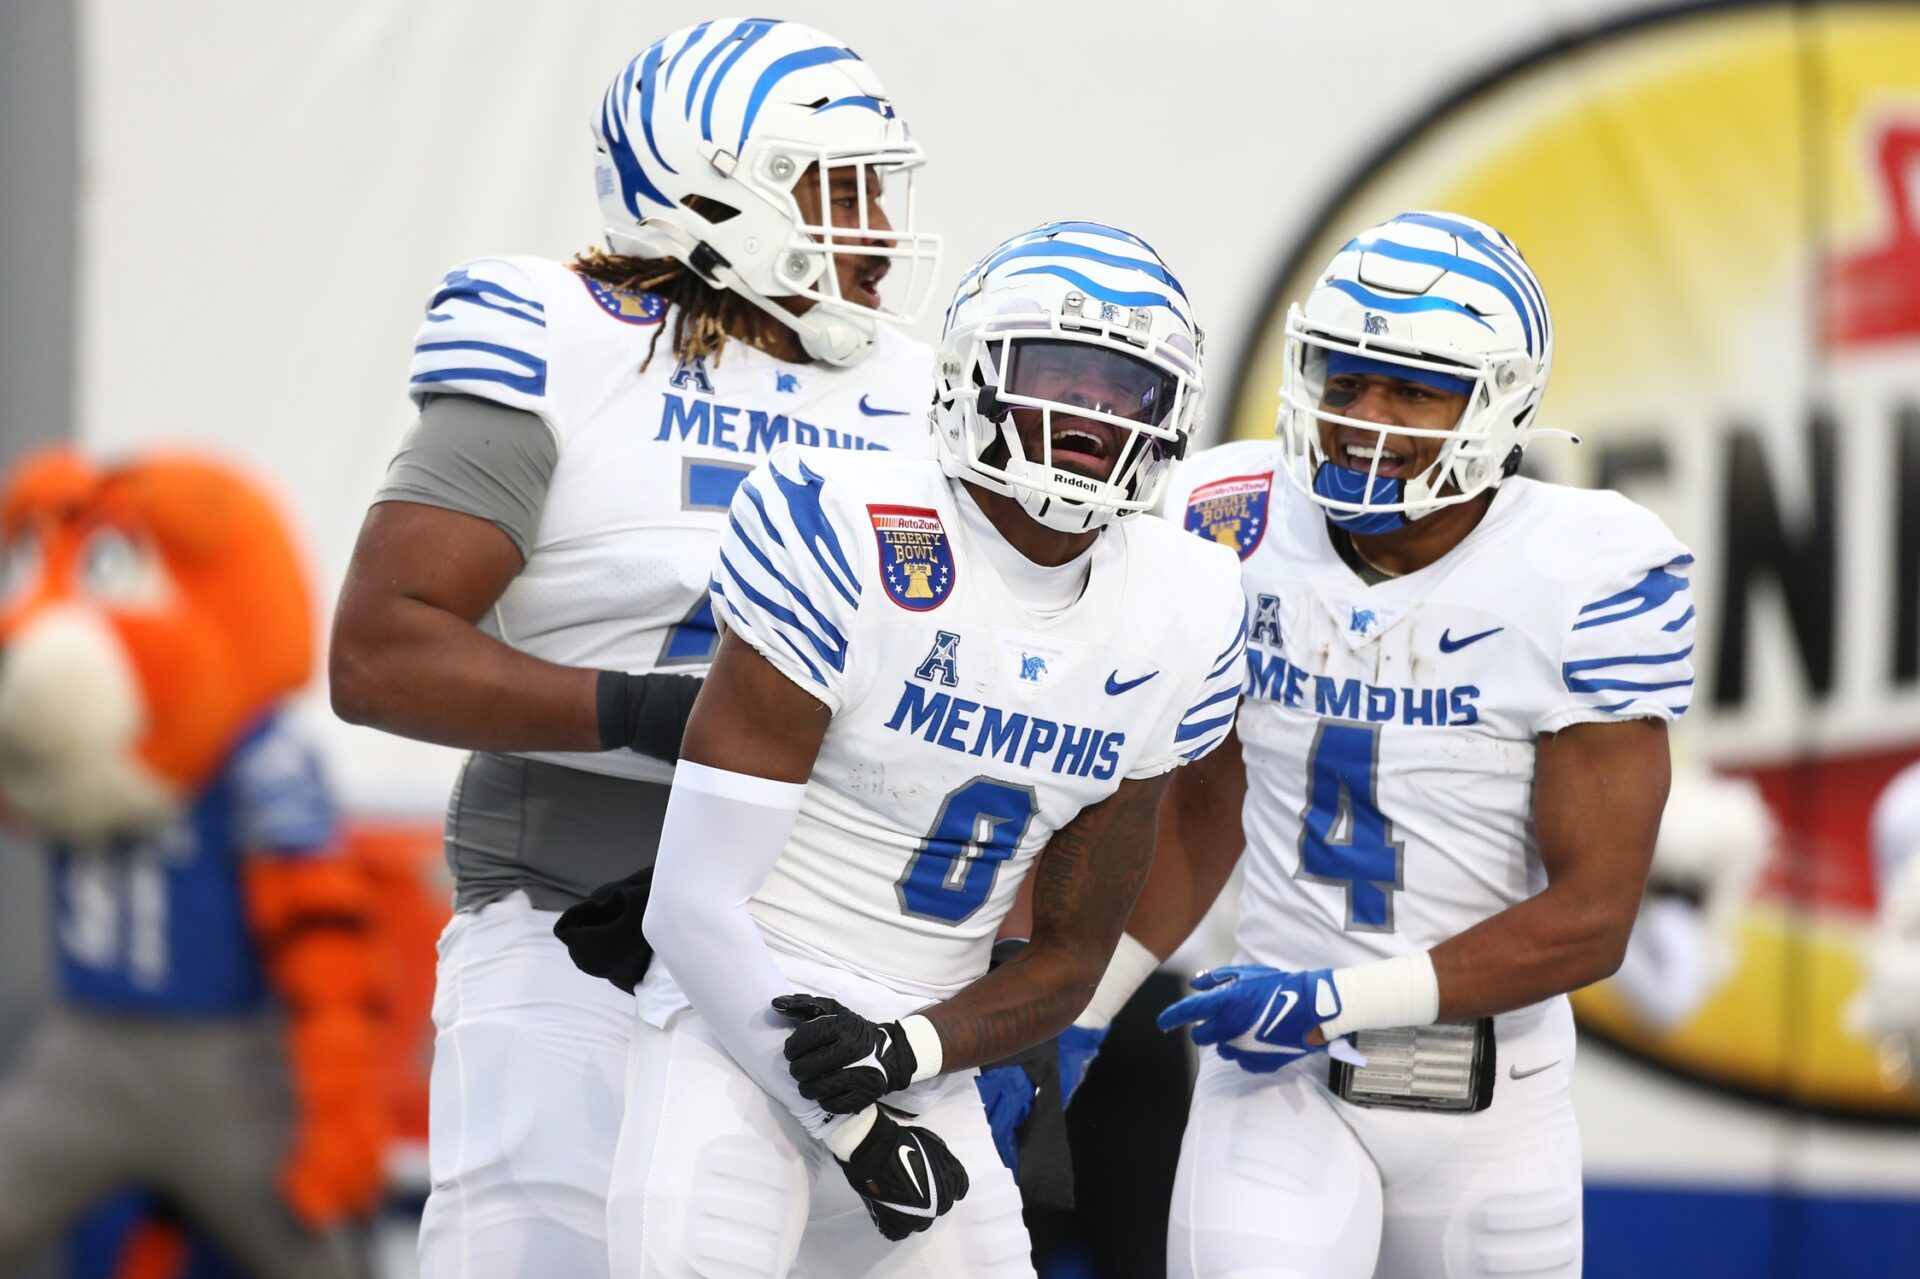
829 643
461 285
1649 593
532 382
1577 682
1191 728
1234 652
1679 621
1402 306
802 497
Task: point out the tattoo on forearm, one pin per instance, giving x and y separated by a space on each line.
1088 876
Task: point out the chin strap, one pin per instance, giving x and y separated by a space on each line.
825 335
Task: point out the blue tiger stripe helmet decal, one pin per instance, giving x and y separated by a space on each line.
1068 374
707 138
1432 298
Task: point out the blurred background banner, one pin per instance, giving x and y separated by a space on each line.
220 220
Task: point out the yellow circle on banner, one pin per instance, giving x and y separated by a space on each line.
1716 201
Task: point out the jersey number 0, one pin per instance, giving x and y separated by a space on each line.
978 827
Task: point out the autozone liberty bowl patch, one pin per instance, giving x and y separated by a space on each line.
625 305
1232 512
916 560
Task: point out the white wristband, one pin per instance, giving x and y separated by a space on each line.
1131 965
844 1136
927 1048
1402 991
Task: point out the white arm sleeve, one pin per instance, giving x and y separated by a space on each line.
722 835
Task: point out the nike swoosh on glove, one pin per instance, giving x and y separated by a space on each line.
841 1060
905 1176
1259 1016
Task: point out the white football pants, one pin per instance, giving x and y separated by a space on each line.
1280 1179
714 1178
525 1101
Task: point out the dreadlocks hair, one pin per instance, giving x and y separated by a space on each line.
704 314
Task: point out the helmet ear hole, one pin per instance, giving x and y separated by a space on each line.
711 209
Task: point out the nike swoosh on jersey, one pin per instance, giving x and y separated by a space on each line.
1450 645
870 411
1117 686
1514 1072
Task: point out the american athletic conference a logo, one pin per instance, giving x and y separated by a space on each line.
916 560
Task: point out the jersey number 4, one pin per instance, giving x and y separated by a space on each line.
1345 840
978 827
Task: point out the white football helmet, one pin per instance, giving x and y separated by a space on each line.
1435 298
737 112
1083 321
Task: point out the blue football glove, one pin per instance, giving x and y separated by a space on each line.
1007 1092
1258 1016
1079 1045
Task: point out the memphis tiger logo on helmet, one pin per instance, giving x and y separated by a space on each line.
704 140
1436 299
1078 332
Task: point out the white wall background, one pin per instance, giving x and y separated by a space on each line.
269 189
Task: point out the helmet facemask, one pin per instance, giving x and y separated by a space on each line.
1091 391
1477 451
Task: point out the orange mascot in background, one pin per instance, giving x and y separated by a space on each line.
216 1040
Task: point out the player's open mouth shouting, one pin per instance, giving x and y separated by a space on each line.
1067 376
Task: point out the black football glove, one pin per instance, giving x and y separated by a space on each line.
905 1176
602 934
841 1060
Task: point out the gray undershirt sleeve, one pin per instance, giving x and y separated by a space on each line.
479 458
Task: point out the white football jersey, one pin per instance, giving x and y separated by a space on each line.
1389 731
648 460
966 730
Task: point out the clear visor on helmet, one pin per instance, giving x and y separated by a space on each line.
1075 376
855 218
1074 403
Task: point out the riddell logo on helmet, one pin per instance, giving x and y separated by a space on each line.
1076 481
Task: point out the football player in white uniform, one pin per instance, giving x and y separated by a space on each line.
1453 757
933 679
531 582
